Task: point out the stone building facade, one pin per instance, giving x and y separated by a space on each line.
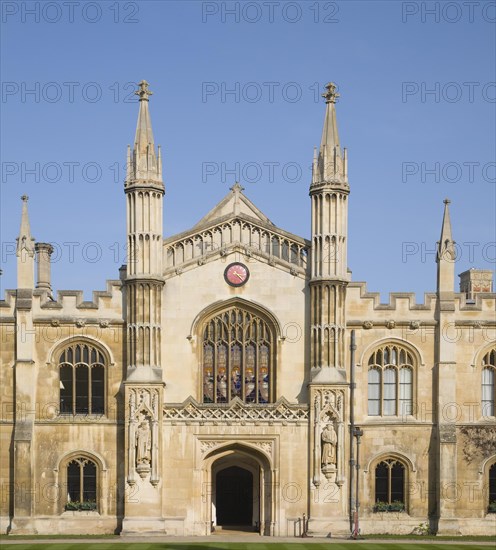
211 385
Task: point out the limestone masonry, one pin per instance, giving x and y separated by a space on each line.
209 386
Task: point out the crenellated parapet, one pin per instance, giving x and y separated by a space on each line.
361 302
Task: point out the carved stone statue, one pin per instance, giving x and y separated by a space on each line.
329 443
143 443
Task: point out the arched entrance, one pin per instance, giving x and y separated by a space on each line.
234 497
240 480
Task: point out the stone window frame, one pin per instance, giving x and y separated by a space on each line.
488 364
392 458
382 367
55 356
490 497
61 472
203 319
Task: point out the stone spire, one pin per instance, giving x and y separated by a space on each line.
144 163
331 160
144 275
25 250
144 132
329 192
446 256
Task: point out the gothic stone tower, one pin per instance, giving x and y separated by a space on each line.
144 283
329 192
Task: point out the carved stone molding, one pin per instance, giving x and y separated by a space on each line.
367 325
281 412
208 444
390 324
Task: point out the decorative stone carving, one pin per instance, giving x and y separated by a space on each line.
329 440
275 413
143 434
447 433
414 325
55 323
104 323
207 445
143 448
390 324
328 436
367 325
266 446
80 323
179 270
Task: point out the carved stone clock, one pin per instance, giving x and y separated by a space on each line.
236 274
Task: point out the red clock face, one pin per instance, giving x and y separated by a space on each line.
236 274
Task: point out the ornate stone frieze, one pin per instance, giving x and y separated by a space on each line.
236 411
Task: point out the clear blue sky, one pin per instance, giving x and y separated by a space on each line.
384 56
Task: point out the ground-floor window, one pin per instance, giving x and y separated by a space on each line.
81 484
390 482
492 489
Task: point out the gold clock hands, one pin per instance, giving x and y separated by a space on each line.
238 275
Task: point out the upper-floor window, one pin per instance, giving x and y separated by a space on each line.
238 357
489 383
82 380
390 381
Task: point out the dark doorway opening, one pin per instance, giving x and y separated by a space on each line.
234 496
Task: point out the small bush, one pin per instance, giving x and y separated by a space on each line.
396 506
80 506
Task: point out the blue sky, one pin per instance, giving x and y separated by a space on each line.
417 113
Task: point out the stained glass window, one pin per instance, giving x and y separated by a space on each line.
238 348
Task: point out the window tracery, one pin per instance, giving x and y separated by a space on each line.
238 357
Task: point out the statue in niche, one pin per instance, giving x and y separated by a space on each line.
143 443
329 443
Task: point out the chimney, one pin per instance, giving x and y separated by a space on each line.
474 281
43 253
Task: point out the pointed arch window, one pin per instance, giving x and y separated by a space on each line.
489 383
390 381
82 380
81 484
238 358
390 485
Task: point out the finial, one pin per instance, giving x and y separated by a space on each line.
331 95
143 92
237 187
447 201
24 198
